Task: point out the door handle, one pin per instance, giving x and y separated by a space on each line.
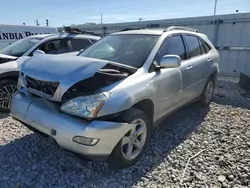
209 59
189 67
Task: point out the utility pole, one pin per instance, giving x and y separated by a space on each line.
47 22
101 18
215 6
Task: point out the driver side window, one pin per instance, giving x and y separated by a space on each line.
55 47
172 46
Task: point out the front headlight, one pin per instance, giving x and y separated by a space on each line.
85 106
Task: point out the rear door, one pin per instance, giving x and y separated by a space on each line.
198 65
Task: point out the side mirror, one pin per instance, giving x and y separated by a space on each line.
170 61
38 52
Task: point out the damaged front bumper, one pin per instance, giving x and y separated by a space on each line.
45 117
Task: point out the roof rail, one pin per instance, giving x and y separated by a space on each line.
128 29
182 28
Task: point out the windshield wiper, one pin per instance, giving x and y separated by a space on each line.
113 72
127 67
109 71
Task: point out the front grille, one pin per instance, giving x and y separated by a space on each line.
43 86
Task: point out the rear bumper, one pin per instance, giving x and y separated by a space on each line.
44 116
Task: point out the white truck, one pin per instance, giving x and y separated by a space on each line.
12 33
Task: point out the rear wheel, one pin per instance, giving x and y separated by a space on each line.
7 88
133 144
207 93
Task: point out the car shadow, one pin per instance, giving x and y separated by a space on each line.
37 157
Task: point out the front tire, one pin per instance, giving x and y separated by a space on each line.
7 88
134 143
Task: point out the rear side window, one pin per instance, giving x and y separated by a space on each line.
203 50
206 46
193 46
172 46
78 44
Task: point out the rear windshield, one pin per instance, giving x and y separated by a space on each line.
131 50
19 47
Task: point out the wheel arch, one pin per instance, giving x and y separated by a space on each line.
214 75
147 106
13 75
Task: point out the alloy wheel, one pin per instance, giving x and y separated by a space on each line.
6 94
134 140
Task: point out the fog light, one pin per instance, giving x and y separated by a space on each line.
85 140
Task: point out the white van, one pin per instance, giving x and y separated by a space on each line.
12 33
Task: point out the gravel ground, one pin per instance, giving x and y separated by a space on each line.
219 136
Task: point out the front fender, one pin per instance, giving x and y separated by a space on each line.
127 96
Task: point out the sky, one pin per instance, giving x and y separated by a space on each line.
67 12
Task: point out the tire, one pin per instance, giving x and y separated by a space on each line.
207 93
7 89
119 158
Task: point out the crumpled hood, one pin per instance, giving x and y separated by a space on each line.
57 68
69 70
6 58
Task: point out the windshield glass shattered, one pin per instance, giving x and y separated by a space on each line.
131 50
19 47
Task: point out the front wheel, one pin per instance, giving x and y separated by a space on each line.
7 88
133 144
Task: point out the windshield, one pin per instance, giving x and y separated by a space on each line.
19 47
131 50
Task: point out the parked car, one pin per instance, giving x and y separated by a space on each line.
16 53
104 103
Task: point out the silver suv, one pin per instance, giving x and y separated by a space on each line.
104 103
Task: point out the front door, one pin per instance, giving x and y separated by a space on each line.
170 80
